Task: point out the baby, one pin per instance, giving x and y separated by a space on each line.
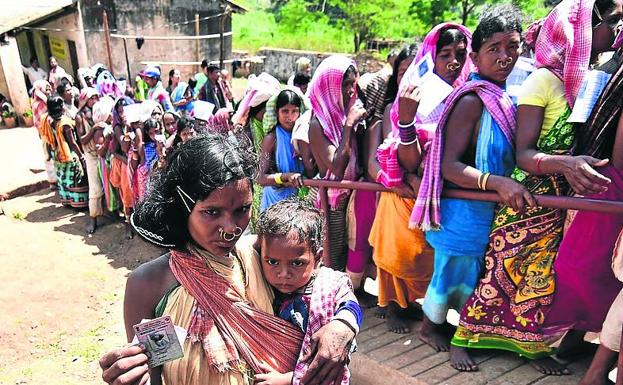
307 294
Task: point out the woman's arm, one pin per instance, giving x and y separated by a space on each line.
69 137
266 159
578 170
326 154
459 136
85 137
410 153
309 163
373 139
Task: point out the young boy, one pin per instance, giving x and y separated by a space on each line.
307 294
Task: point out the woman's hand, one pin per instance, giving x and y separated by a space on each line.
329 348
403 190
408 103
513 194
581 175
125 366
355 115
272 377
292 179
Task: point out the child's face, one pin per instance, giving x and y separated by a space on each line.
287 264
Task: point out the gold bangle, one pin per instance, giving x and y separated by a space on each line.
278 179
480 181
485 179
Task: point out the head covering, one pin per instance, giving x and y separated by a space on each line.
430 46
565 42
325 95
532 33
56 107
39 87
302 63
270 116
148 107
259 90
39 101
150 72
86 94
123 101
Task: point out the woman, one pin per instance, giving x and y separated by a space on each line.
185 131
585 284
149 155
103 137
58 131
278 162
198 207
333 93
84 128
509 306
183 99
472 148
41 92
174 80
402 256
64 89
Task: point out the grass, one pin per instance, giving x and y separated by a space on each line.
18 216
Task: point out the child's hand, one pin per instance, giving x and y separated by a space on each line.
272 377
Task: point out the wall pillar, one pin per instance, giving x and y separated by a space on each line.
12 68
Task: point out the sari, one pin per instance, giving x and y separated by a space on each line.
508 308
178 94
285 161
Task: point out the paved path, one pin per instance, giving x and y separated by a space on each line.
389 358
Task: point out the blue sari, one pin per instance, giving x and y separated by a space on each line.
178 94
461 242
286 161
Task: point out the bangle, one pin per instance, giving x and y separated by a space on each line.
407 134
408 125
480 181
278 179
408 143
539 159
347 324
485 179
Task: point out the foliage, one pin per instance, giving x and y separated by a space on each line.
345 25
27 114
8 114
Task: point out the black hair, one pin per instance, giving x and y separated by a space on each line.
192 83
60 88
33 59
174 115
286 97
2 98
301 79
450 35
148 125
182 124
254 110
392 84
350 71
603 6
56 106
293 215
171 73
204 63
193 170
213 67
494 19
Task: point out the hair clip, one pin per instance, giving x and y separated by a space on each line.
185 196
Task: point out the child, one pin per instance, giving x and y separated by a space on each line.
307 294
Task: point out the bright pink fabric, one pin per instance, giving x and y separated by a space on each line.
325 94
564 44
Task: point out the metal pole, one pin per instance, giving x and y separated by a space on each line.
127 62
222 45
107 39
197 42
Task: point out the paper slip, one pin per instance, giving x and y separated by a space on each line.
203 110
133 112
592 86
434 89
161 340
523 68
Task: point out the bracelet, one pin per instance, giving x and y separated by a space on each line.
278 179
408 143
408 125
480 181
485 179
407 134
347 324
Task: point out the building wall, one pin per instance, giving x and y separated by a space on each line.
12 69
281 63
150 18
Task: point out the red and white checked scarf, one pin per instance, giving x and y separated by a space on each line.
426 213
425 126
228 327
564 44
325 94
331 288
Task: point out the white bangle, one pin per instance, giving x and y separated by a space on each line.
406 125
408 143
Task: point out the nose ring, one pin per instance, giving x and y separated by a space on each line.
504 63
452 66
228 237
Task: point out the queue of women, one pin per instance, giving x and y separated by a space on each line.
245 268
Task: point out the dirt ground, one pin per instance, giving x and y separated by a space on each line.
61 291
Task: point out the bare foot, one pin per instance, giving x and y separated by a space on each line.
92 225
366 300
573 345
413 312
549 366
393 321
380 312
461 361
433 335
